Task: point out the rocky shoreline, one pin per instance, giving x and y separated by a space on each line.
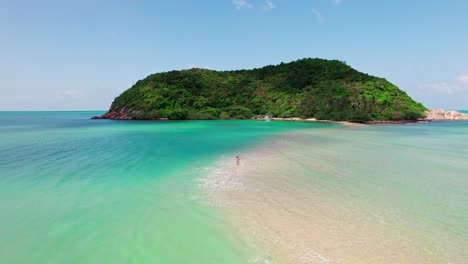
114 115
440 114
431 115
118 115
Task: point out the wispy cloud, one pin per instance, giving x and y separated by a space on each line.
452 87
336 2
66 93
463 79
318 15
268 5
239 4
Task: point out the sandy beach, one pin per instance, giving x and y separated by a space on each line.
292 220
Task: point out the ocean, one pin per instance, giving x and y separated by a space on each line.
75 190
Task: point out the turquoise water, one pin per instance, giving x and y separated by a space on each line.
411 178
75 190
367 194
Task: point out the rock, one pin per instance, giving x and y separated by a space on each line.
262 118
395 122
440 114
112 114
120 115
287 118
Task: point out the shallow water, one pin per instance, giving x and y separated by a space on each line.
373 194
74 190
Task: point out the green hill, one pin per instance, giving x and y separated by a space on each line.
323 89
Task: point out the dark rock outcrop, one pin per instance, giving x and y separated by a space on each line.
116 115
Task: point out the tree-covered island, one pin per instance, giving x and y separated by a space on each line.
306 88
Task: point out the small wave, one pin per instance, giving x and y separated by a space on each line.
220 178
313 257
258 260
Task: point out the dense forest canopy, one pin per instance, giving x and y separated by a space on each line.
308 88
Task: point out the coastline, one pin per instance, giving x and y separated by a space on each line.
430 115
346 123
294 221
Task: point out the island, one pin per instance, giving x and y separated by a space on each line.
309 88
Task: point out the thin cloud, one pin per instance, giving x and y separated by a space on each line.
452 87
318 15
67 93
239 4
268 5
336 2
463 79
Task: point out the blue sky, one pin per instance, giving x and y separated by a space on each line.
79 55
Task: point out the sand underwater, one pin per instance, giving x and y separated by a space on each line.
74 190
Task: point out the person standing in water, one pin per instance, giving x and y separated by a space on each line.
237 161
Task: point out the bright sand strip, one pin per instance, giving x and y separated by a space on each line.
292 220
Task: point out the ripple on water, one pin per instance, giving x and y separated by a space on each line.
304 200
